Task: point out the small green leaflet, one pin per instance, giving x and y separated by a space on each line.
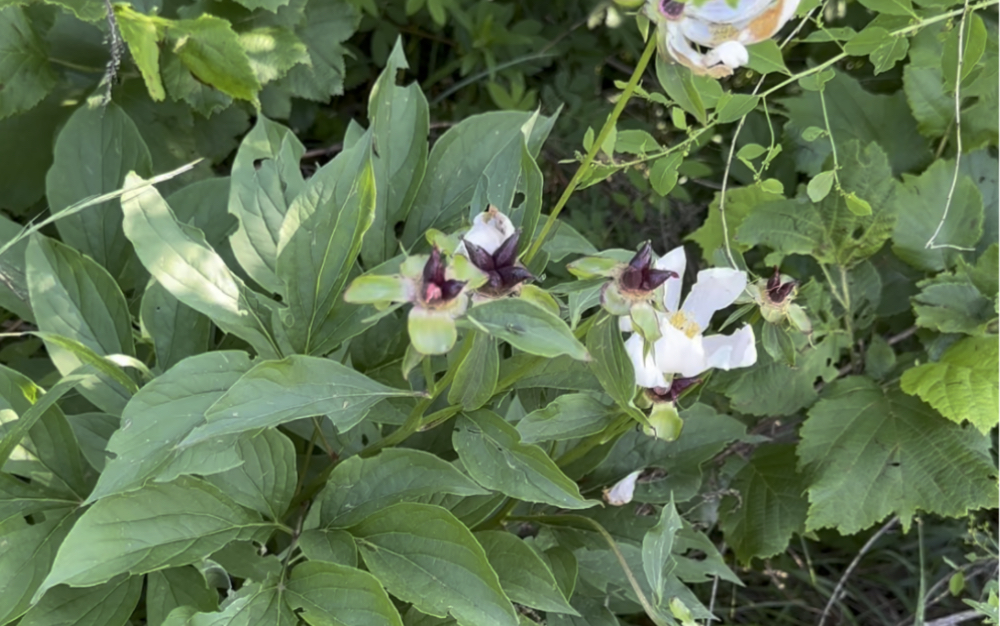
657 545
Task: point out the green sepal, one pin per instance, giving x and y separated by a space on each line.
644 321
462 269
614 302
797 315
594 266
446 243
431 332
413 266
379 289
664 422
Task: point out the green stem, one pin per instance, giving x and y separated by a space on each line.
647 54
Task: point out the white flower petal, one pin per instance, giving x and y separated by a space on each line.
647 374
675 261
489 230
621 493
731 54
726 352
715 289
676 353
720 12
625 323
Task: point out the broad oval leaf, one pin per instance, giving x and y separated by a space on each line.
274 392
527 327
492 453
524 576
161 525
265 481
567 417
109 604
424 555
331 594
358 487
477 374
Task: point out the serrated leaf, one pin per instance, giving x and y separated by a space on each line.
265 481
275 392
109 604
272 51
870 453
932 108
328 593
424 555
327 24
492 453
74 297
740 202
158 418
320 240
477 374
96 149
27 555
524 576
174 587
210 48
567 417
657 544
359 487
771 505
962 385
527 327
25 72
921 200
265 179
951 303
178 256
142 35
160 525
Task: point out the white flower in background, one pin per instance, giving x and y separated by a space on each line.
622 491
723 30
683 349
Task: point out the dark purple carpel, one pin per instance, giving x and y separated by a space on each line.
435 288
670 394
671 10
639 275
502 271
776 291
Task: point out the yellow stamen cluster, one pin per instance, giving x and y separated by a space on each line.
685 324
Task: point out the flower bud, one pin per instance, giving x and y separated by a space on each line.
664 422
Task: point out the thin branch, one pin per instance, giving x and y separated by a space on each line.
117 46
958 138
850 568
956 618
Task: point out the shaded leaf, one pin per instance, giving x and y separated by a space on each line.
527 327
265 481
109 604
329 593
524 576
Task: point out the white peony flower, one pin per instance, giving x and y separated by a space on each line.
723 29
489 230
622 491
682 348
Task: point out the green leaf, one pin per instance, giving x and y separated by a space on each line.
951 303
855 114
770 507
477 374
820 185
74 297
678 83
19 498
14 296
400 123
265 179
974 44
867 41
567 417
179 258
491 451
733 106
663 173
884 57
456 164
320 240
527 327
25 72
272 51
360 487
178 586
740 202
328 593
524 576
932 108
657 544
327 25
766 57
160 525
265 482
142 34
890 7
962 385
870 453
921 201
158 418
254 604
25 560
275 392
424 555
26 154
210 48
104 140
177 330
109 604
332 546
